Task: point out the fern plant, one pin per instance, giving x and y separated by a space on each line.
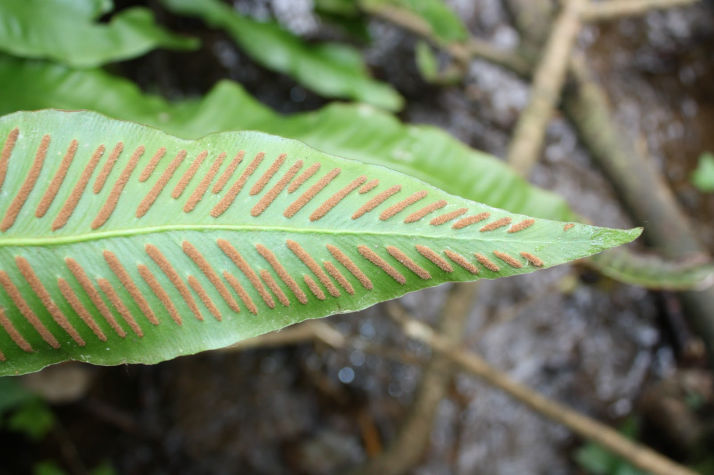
120 243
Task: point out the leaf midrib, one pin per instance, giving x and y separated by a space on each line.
96 236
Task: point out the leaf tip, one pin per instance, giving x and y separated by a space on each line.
617 237
634 233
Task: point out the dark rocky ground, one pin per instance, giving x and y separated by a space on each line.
567 332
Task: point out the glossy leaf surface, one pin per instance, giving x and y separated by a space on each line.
67 31
329 69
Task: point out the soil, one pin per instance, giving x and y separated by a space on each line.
569 333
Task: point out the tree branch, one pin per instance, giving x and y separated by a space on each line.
580 424
548 80
617 9
639 185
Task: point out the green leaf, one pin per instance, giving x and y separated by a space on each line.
352 131
330 69
439 18
47 467
66 31
12 395
120 243
28 413
426 61
596 460
356 132
703 176
346 8
652 271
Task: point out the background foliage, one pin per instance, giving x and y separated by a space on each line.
39 73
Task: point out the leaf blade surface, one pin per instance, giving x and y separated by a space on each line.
100 278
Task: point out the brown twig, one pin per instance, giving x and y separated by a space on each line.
548 80
533 17
582 425
617 9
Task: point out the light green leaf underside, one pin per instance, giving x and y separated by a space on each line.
329 69
426 61
67 31
352 131
356 132
82 215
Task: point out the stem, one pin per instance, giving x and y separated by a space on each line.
640 186
548 80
